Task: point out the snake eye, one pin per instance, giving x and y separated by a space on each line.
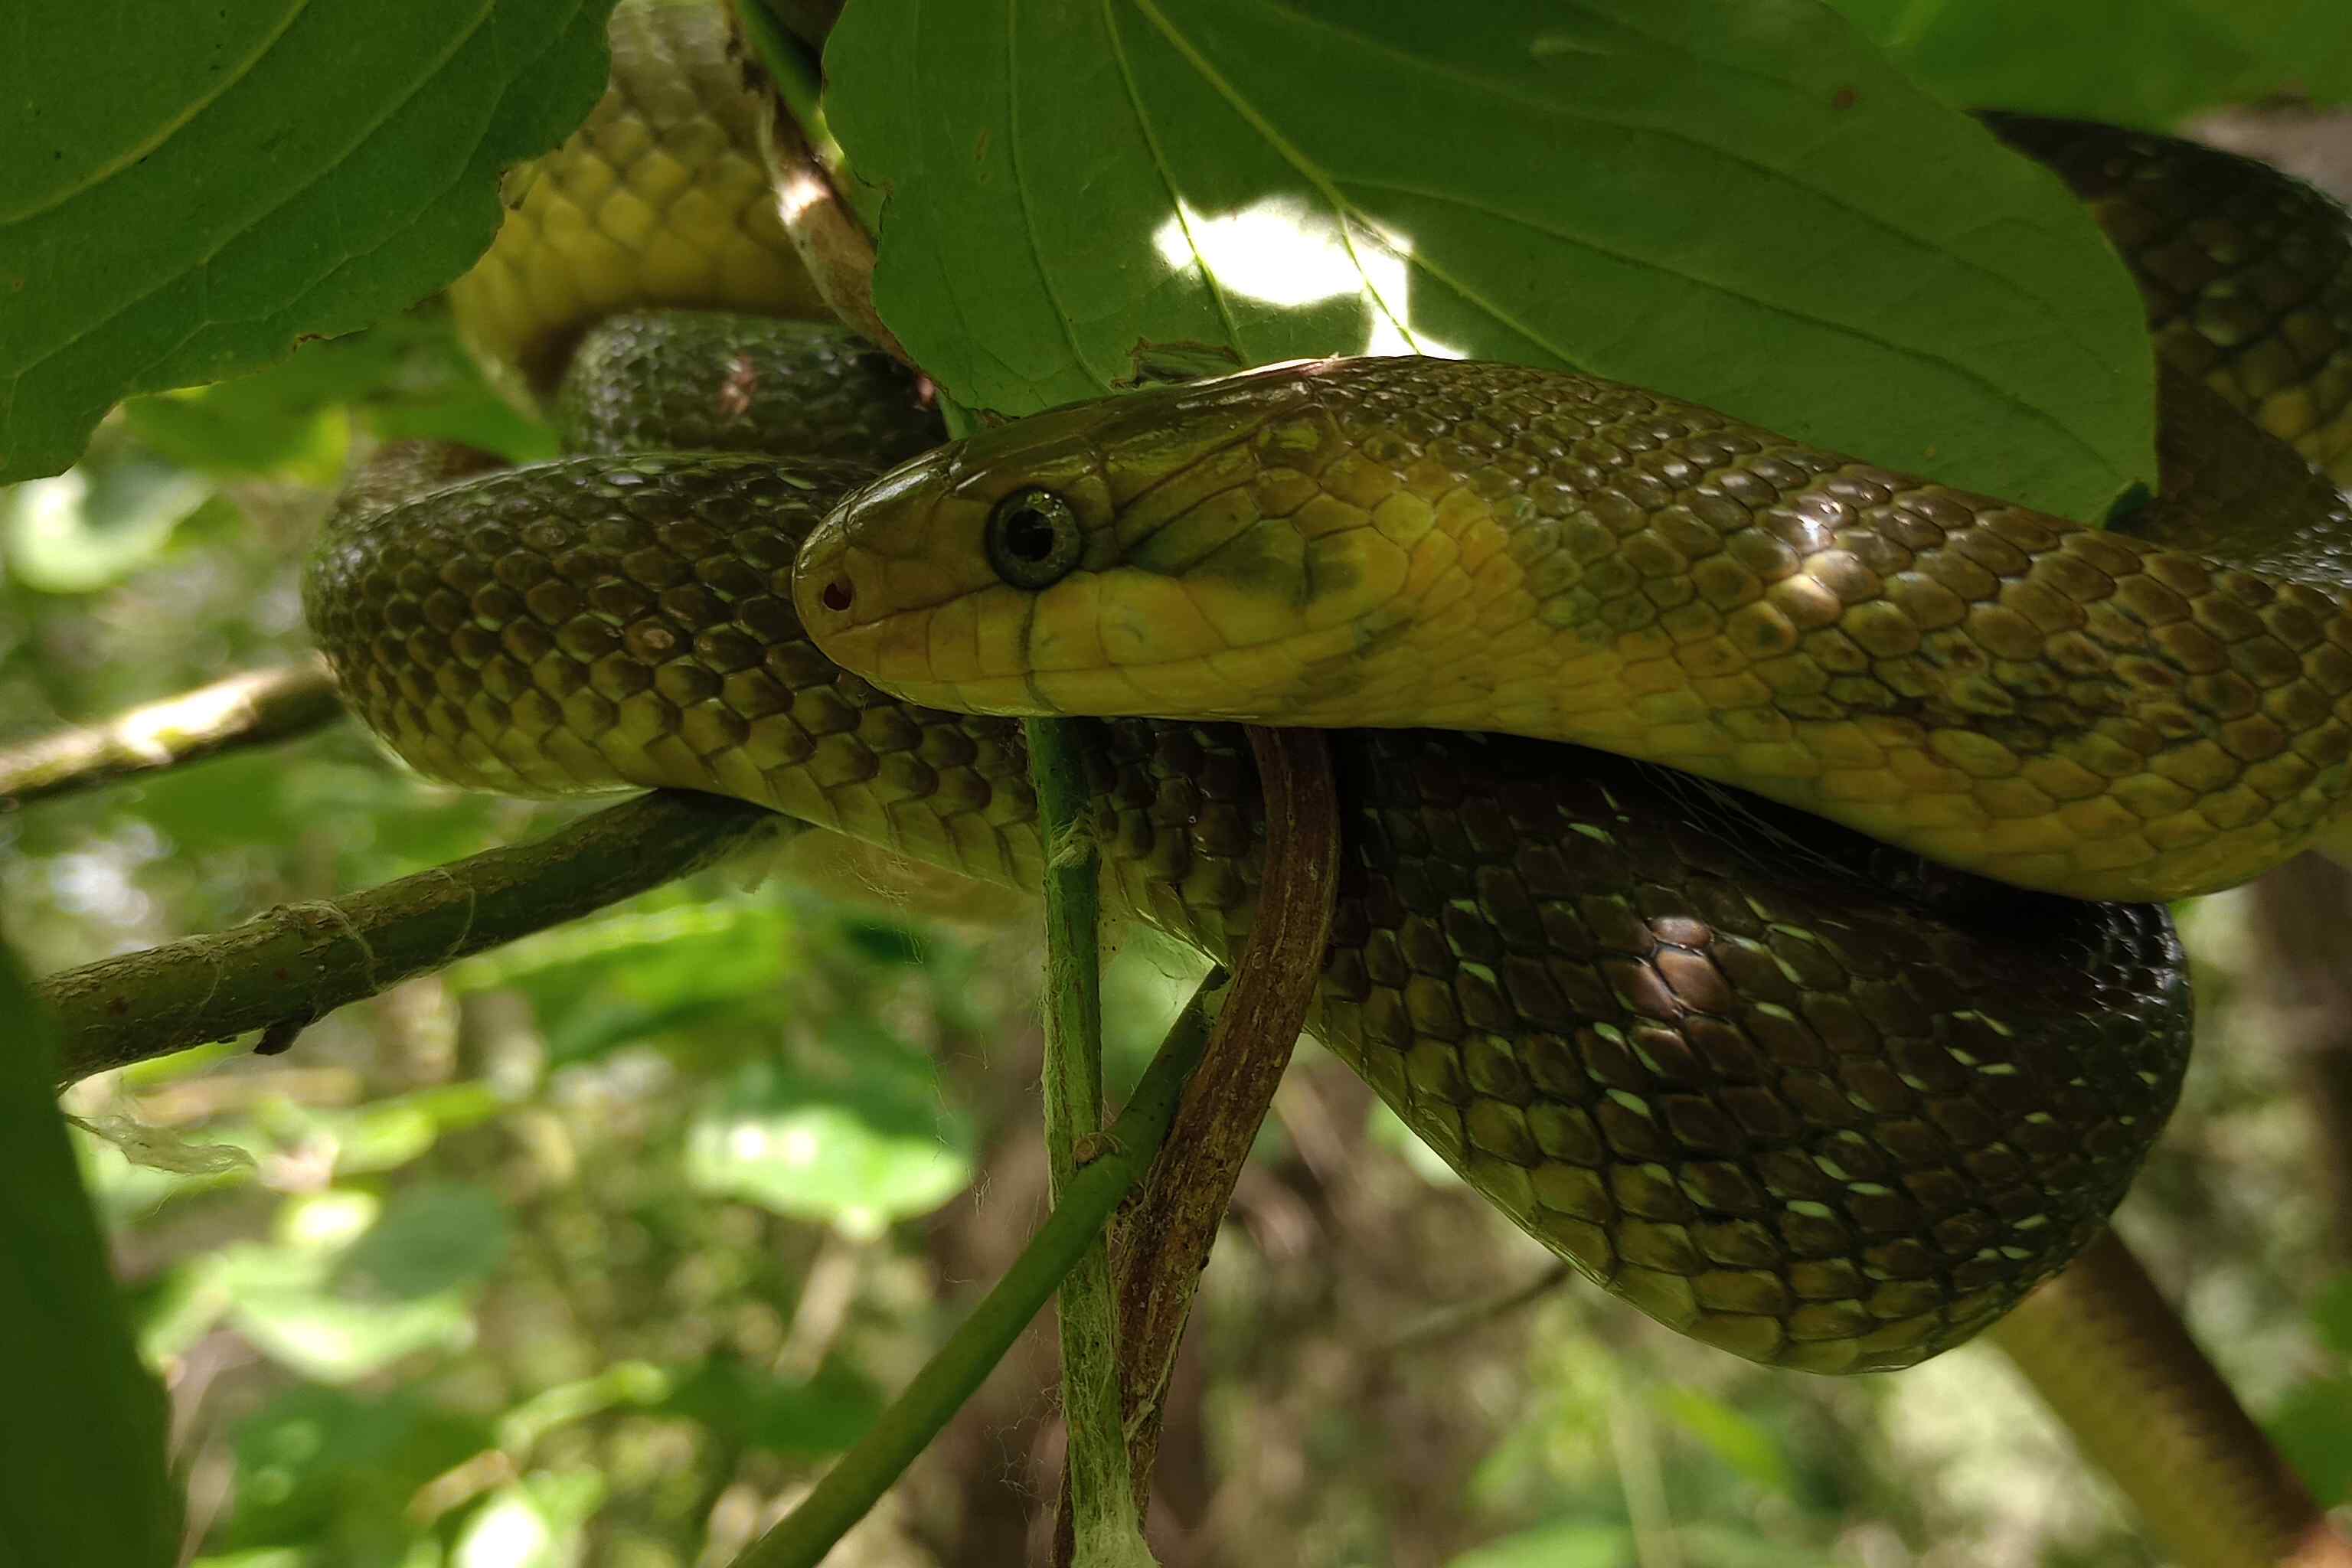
1033 538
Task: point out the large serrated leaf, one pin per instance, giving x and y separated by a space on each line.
183 200
82 1475
1745 206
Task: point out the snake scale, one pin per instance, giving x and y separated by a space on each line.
1816 1100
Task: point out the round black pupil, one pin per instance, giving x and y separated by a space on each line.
1029 535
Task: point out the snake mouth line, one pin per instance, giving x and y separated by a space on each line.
923 488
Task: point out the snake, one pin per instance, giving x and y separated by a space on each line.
1751 856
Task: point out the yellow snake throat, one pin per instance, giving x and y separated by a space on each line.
1411 542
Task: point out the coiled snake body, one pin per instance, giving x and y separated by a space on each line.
1797 1095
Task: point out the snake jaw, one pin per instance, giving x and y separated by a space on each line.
898 585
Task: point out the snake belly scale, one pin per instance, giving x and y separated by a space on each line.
1794 1093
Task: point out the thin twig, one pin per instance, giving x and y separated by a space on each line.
2112 1360
254 709
1163 1240
831 215
296 964
804 1537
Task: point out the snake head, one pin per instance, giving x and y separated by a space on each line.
1170 551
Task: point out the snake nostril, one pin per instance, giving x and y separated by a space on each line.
837 595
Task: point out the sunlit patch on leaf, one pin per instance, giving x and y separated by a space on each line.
1291 254
1749 207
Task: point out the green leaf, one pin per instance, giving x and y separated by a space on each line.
175 1311
1737 1440
335 1472
2132 62
2332 1315
284 1305
347 1290
536 1522
406 379
1707 1545
432 1239
394 823
181 203
2312 1428
698 969
1747 206
82 1476
386 1134
98 522
750 1406
236 428
1573 1545
856 1150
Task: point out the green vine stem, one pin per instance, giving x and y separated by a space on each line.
800 86
1108 1533
803 1537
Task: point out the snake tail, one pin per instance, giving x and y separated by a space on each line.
2181 1447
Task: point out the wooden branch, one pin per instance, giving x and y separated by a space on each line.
1106 1528
257 708
281 971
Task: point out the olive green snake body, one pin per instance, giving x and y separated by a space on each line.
1806 1098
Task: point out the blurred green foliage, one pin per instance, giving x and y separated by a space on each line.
595 1250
